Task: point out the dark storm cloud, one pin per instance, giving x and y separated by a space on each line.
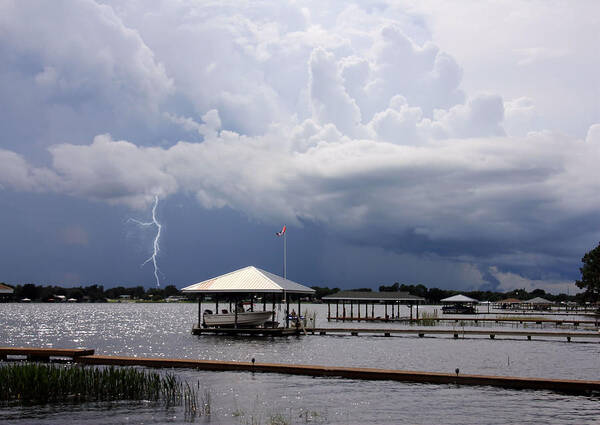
351 119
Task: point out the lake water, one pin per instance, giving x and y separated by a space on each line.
163 330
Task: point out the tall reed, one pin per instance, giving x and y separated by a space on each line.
34 383
429 319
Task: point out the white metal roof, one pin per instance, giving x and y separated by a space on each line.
539 300
4 289
459 299
250 280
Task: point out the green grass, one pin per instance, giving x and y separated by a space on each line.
34 383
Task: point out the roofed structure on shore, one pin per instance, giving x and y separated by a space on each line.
5 289
248 280
510 301
394 296
539 301
460 298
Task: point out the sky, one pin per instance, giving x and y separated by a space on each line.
450 144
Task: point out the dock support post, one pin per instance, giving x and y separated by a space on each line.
351 310
373 310
236 313
328 311
337 313
287 311
417 310
411 312
386 315
199 310
343 311
358 309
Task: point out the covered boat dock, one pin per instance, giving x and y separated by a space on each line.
245 285
390 299
459 304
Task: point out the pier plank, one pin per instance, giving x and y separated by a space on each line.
454 332
35 353
562 385
574 322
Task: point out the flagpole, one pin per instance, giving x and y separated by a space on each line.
285 255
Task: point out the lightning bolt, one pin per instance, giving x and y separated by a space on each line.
155 245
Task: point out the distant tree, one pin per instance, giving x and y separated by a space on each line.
435 294
392 288
520 294
538 293
76 293
590 274
30 291
95 292
321 292
171 290
138 292
155 294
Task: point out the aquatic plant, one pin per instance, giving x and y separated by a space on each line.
429 319
34 383
279 419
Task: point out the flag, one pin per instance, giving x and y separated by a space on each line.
282 231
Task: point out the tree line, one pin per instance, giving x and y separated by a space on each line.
434 295
97 293
92 293
590 283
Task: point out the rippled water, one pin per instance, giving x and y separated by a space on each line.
163 330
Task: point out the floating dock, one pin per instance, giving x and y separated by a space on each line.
246 331
584 387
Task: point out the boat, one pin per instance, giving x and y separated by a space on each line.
458 309
245 319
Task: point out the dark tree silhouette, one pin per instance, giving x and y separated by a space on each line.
590 274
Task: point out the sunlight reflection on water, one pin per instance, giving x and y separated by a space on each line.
163 330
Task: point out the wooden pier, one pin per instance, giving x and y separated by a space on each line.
43 354
456 333
471 320
562 385
584 387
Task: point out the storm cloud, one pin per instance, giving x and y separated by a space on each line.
352 118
